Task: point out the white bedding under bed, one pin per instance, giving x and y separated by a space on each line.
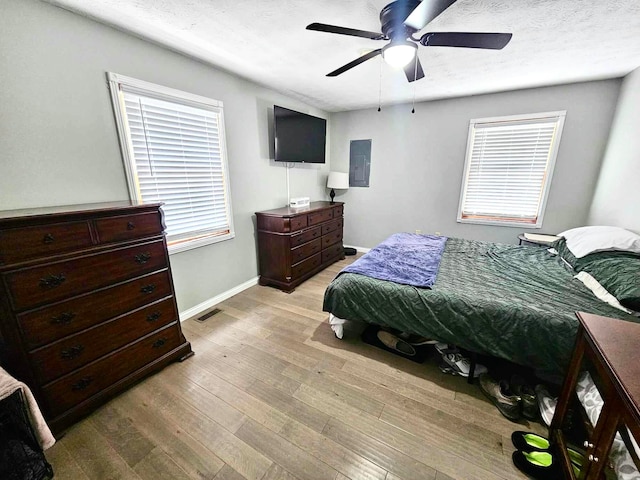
337 325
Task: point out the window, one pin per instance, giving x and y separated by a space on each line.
508 169
173 146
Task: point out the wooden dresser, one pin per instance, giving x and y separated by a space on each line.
87 305
296 243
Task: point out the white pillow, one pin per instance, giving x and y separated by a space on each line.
585 240
600 292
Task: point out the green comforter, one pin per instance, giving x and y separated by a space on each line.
509 301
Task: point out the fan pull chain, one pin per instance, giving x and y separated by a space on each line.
415 76
380 89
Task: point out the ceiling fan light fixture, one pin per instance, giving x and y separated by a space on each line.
399 54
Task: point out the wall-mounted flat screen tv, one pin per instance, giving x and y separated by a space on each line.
299 137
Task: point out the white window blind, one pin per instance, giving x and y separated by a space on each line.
176 156
508 169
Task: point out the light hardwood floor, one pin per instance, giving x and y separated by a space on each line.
272 394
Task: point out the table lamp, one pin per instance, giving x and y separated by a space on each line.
337 180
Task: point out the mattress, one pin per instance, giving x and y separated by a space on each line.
510 301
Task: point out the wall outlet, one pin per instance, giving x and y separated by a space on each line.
438 233
418 231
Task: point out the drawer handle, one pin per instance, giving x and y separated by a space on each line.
71 352
63 319
51 281
159 343
48 239
143 258
154 317
82 384
148 288
131 226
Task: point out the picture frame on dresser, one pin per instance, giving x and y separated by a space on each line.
87 303
296 243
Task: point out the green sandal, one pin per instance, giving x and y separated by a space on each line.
531 442
539 465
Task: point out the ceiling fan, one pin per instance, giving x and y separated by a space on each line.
400 20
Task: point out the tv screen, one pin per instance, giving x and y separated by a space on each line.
299 137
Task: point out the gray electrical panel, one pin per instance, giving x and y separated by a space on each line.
359 163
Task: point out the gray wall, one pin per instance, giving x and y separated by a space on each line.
59 144
418 161
617 198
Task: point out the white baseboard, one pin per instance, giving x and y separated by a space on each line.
359 249
207 304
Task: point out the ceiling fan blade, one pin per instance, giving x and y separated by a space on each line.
412 71
426 11
355 63
322 27
492 41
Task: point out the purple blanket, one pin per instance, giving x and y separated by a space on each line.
405 258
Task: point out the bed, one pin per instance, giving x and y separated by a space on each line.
509 301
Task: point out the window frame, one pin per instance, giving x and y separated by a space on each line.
168 94
555 146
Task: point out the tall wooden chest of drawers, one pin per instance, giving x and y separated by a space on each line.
296 243
87 305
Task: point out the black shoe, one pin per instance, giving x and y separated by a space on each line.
498 392
538 465
532 442
528 396
529 441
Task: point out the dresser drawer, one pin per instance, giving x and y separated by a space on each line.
332 226
67 392
300 253
334 251
337 211
298 223
331 238
319 217
304 237
65 318
55 360
311 263
114 229
38 285
19 244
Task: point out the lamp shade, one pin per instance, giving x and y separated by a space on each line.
338 180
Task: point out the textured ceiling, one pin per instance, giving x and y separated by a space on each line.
554 42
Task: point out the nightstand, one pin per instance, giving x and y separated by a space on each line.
607 348
536 242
